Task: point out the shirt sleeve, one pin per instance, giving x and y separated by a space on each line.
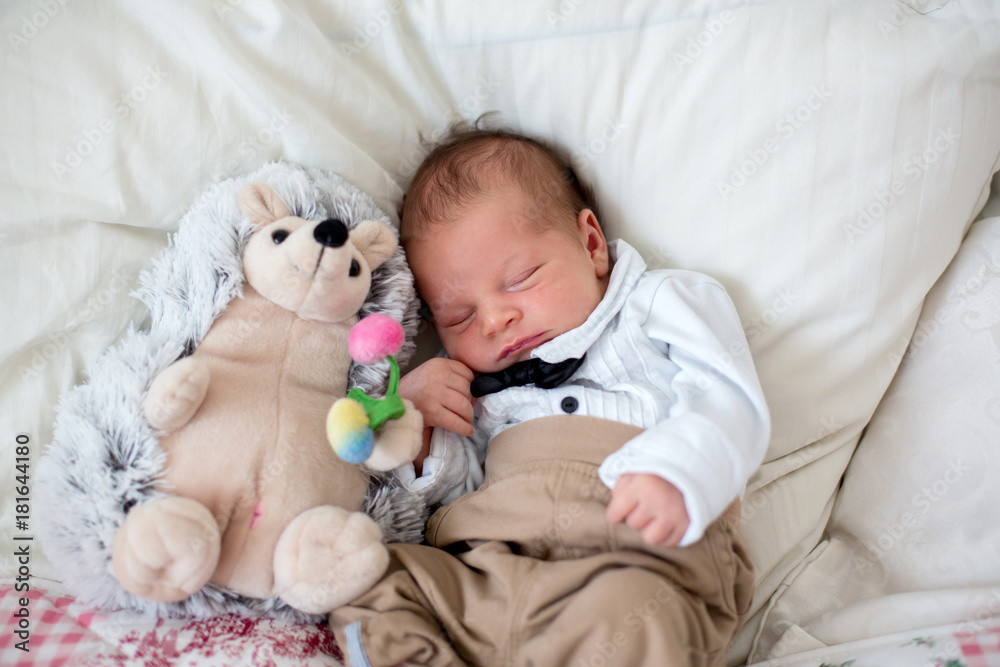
453 467
717 430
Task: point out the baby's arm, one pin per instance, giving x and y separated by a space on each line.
439 388
651 505
718 425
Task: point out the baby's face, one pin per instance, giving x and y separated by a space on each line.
498 287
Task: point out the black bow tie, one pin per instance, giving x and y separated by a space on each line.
533 371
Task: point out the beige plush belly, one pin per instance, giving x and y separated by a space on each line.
256 455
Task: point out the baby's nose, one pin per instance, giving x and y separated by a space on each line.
500 318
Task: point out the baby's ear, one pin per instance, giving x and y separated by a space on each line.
262 204
375 241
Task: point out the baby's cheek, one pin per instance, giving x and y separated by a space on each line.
572 305
553 301
461 348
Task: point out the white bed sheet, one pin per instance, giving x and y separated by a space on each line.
914 538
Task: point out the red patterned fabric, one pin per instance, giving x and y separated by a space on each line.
980 649
64 632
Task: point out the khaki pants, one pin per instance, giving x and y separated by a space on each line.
527 571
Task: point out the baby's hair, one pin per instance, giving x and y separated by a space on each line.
472 160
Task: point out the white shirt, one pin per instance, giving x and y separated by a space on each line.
665 352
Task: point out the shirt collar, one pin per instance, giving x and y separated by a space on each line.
626 270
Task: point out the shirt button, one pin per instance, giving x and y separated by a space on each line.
569 405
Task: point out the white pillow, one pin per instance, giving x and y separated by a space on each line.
857 155
915 534
117 116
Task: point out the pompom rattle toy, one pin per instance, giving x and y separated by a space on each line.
353 420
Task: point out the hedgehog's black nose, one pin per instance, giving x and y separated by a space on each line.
331 232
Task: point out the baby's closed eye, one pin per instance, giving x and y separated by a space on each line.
521 278
461 318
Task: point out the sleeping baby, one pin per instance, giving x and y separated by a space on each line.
590 431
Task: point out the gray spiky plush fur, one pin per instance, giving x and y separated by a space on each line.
105 458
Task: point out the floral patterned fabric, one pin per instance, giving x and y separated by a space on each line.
970 644
64 632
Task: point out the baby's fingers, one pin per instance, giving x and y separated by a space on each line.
621 505
454 415
661 533
462 384
457 402
452 422
459 369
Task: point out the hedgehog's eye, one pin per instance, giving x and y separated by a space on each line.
278 236
355 268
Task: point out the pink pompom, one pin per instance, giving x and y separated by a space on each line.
374 338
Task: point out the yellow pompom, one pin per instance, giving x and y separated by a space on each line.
348 431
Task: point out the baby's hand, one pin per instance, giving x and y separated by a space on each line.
651 505
439 388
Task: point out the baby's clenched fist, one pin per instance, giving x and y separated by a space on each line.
439 388
651 505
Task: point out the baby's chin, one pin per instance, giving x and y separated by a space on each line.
482 367
495 365
507 362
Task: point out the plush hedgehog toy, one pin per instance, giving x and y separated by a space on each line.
192 474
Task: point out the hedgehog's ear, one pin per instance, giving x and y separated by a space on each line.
262 204
375 241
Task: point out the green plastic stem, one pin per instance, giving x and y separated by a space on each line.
381 410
